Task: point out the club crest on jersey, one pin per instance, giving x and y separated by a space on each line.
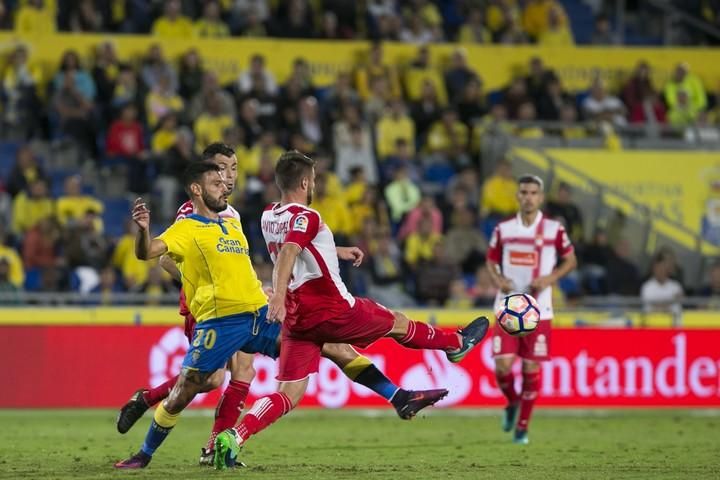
300 224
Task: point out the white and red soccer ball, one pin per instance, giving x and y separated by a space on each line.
518 314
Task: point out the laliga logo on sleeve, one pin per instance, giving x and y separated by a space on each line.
437 372
300 224
166 358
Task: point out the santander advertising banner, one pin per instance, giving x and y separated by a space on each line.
101 366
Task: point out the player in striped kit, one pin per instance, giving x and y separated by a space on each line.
528 254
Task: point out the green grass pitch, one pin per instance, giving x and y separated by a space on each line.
329 444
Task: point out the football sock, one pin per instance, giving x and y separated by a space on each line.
162 423
228 409
361 370
506 383
423 336
263 413
161 392
531 382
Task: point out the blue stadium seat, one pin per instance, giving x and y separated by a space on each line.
439 173
33 279
116 211
8 150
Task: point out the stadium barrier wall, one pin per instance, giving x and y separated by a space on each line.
576 66
100 366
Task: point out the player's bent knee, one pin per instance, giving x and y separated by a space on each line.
339 353
294 390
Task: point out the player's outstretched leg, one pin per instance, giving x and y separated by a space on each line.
531 383
506 383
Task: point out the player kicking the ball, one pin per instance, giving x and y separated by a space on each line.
213 257
315 307
528 247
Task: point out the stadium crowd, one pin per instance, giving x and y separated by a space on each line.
411 159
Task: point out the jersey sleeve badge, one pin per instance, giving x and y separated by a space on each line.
300 224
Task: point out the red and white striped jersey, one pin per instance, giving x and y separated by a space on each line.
528 252
316 291
187 208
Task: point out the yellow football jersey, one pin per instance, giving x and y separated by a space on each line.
217 273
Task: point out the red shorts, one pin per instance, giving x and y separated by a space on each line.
533 346
300 351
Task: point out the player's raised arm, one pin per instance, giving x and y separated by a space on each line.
281 277
145 248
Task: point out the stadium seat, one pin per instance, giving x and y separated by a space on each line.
116 211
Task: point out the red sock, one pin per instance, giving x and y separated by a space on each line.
154 395
531 382
228 409
423 336
263 413
506 384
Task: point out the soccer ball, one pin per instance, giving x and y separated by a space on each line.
518 314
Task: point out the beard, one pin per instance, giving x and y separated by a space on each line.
217 205
310 197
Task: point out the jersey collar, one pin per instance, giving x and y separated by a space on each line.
206 220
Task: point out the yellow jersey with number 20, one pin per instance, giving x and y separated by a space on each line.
214 259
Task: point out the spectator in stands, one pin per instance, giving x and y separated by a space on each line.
342 136
71 69
402 194
483 290
388 28
210 87
85 17
172 24
426 110
538 80
40 245
74 205
570 129
684 81
498 13
310 122
294 19
395 124
465 244
380 97
155 68
157 285
340 95
536 17
600 106
472 104
211 25
25 171
161 100
210 124
466 181
15 270
498 194
31 206
104 75
134 272
126 139
561 207
526 117
427 208
19 88
257 73
602 35
329 27
358 154
85 246
34 18
108 287
596 257
458 298
75 113
550 103
170 169
515 94
355 189
675 270
265 146
376 68
448 140
420 244
458 75
474 30
511 31
192 75
711 290
332 208
165 135
8 290
434 276
622 274
386 281
558 32
126 89
660 292
683 114
641 98
418 31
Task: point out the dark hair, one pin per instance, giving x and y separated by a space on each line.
527 178
291 168
194 173
216 148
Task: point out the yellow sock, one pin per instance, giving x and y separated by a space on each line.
357 365
164 418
